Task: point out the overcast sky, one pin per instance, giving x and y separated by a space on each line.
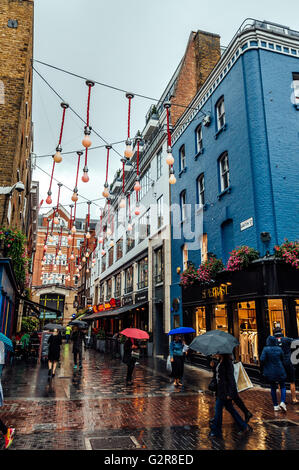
132 44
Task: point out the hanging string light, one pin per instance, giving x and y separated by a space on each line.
75 193
128 150
122 203
129 228
105 193
86 142
88 220
169 159
85 177
73 229
56 214
57 158
137 186
70 237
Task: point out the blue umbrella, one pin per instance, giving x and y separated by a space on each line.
7 342
181 330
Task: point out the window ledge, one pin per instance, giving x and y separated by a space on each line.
182 171
223 128
199 153
227 190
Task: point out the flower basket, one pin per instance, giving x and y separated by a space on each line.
288 252
241 257
206 272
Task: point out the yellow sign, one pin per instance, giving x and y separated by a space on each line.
215 292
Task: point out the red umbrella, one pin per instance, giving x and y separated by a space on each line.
135 333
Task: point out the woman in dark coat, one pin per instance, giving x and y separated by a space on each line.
226 391
129 346
272 362
54 342
78 338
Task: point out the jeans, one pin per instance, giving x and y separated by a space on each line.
273 386
216 426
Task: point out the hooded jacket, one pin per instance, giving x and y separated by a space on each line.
272 361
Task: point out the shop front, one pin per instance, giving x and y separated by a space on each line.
248 304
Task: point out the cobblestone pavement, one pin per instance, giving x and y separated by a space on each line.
94 409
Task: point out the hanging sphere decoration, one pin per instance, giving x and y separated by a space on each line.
49 199
57 156
85 177
169 158
74 196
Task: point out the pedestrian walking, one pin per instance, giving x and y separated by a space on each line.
272 363
129 347
8 432
78 338
236 398
286 344
68 331
226 391
54 342
176 352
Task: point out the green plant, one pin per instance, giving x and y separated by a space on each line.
241 257
288 252
29 324
15 248
101 334
206 272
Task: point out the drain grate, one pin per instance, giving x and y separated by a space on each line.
113 443
282 423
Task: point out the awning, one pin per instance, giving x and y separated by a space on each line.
35 306
113 313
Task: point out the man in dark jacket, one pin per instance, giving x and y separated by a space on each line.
286 345
226 391
78 337
129 345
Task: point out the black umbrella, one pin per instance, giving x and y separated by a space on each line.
53 326
214 342
79 323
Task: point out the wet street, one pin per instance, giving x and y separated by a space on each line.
92 408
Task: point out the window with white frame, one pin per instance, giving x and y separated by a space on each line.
182 154
183 205
159 164
201 189
224 171
185 257
160 211
199 145
220 110
296 88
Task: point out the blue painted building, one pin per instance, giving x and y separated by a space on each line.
8 290
236 152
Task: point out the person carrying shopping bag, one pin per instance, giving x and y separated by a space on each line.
272 363
226 391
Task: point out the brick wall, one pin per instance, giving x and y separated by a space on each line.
201 56
15 116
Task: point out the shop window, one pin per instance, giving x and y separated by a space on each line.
276 314
220 317
200 316
297 314
248 337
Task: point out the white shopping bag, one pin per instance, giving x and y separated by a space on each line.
243 382
168 364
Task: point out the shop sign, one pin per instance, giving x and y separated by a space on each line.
106 306
128 300
215 292
141 297
246 224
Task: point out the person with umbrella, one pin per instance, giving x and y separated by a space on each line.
130 347
5 346
77 337
176 351
54 342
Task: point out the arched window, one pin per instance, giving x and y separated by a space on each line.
224 171
201 189
198 134
220 112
